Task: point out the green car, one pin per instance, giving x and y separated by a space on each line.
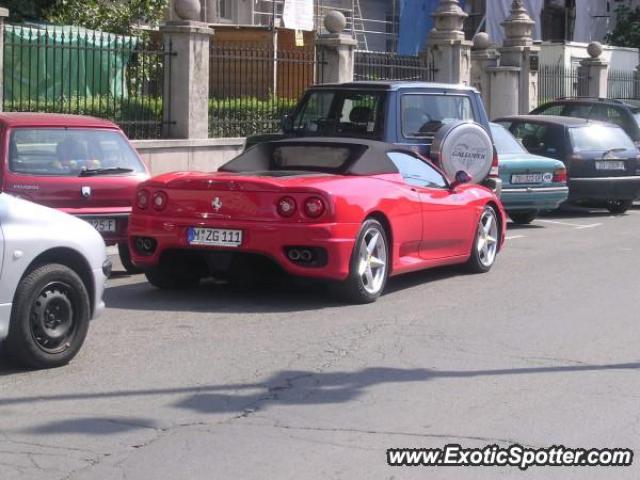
530 183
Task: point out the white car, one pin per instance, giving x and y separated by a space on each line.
53 269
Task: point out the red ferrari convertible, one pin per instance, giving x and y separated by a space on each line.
351 211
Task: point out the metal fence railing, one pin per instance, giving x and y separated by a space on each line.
76 71
251 87
390 66
622 84
557 81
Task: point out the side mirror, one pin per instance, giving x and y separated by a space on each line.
287 124
462 177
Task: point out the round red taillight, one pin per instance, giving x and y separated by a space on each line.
313 207
142 199
159 200
286 206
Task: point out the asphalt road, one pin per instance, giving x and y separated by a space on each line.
284 383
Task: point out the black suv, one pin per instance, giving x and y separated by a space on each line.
403 113
624 113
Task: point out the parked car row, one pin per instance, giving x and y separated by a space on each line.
367 181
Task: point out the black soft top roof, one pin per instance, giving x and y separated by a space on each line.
368 156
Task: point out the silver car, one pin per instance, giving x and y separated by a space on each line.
53 269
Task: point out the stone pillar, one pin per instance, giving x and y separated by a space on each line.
483 57
336 50
186 78
447 47
518 51
503 97
4 13
593 73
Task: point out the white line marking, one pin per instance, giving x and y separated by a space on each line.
589 226
514 237
574 225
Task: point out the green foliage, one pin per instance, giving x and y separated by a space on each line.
141 116
116 16
21 10
241 117
627 30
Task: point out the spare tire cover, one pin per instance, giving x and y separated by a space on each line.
463 146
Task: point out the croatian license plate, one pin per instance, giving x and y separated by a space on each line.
103 225
218 237
609 165
527 178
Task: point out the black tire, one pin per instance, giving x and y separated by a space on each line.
125 259
619 207
172 278
475 264
37 339
353 289
523 217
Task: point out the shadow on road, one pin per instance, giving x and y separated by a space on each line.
289 387
288 294
209 296
93 426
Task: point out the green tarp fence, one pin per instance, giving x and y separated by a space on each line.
51 63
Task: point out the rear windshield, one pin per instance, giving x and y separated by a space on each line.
424 114
69 152
269 157
599 137
335 113
505 142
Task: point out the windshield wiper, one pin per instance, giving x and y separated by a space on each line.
90 172
613 150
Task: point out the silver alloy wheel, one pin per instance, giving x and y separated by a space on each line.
487 243
372 260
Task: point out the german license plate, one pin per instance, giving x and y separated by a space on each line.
609 165
103 225
527 178
218 237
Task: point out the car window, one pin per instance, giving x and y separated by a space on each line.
505 142
539 139
422 115
359 114
580 110
551 109
330 113
599 137
609 114
315 110
417 172
68 152
636 115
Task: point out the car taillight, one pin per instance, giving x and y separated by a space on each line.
495 165
159 200
313 207
142 199
560 175
286 206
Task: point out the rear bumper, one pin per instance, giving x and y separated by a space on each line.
604 188
533 198
267 239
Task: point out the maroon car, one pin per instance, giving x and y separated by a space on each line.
81 165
